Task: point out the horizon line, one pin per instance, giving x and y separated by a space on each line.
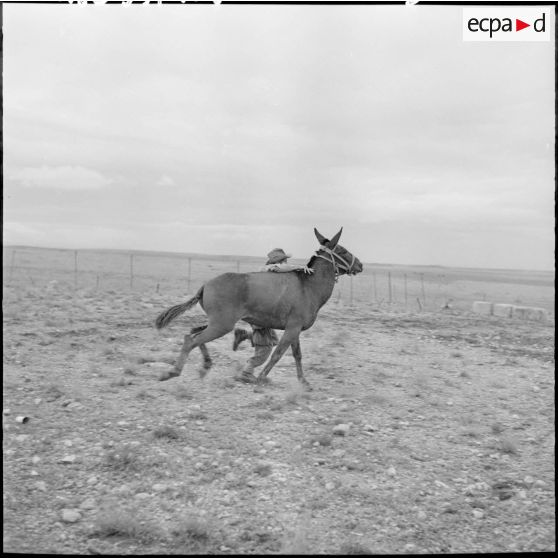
233 256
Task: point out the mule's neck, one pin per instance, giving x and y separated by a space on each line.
322 280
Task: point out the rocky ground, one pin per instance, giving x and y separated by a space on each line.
425 433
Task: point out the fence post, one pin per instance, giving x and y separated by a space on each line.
389 287
12 264
422 288
75 268
405 284
189 272
131 271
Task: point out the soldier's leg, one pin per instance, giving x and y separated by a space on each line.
263 344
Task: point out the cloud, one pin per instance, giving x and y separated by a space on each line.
166 180
61 178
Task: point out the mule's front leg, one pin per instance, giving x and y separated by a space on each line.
284 343
297 353
186 348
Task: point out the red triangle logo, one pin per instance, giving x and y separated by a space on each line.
519 25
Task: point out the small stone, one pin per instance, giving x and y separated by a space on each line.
6 411
68 459
341 429
478 514
88 504
391 472
271 444
421 515
66 402
123 489
159 487
338 453
22 437
37 401
92 480
141 495
35 459
536 389
330 486
528 480
370 428
34 473
70 516
540 483
41 485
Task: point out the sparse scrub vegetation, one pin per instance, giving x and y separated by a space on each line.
263 469
167 432
298 542
197 415
508 445
53 392
122 458
322 439
181 392
121 382
130 369
192 533
112 523
354 548
497 427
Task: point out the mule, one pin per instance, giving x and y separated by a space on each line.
284 301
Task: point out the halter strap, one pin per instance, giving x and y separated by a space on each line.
338 261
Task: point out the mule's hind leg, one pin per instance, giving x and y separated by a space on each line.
212 331
207 362
187 346
297 353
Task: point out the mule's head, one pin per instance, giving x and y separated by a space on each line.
343 260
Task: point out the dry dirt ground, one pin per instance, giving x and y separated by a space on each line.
446 441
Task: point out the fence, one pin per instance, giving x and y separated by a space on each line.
402 288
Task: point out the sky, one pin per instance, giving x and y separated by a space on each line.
237 129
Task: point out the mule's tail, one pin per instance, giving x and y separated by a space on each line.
169 315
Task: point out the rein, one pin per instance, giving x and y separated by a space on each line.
337 261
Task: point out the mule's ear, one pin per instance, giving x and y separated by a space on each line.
321 239
333 242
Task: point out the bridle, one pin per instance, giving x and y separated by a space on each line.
339 263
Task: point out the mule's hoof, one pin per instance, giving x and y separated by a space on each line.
258 389
262 380
246 378
306 386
